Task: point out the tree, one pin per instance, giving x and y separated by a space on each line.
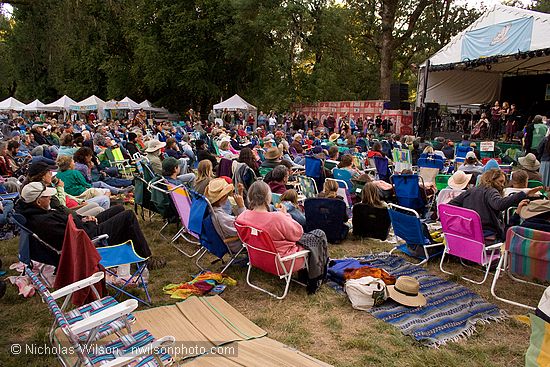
541 5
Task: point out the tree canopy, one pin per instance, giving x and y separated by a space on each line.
183 54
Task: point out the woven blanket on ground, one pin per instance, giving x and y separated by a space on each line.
201 285
451 312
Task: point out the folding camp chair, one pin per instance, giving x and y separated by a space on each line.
460 153
382 168
464 239
535 183
343 175
314 169
161 199
116 159
137 348
408 192
428 174
308 187
441 181
343 191
142 191
124 254
401 159
210 240
407 226
431 161
329 215
264 171
526 253
263 255
371 222
275 198
182 201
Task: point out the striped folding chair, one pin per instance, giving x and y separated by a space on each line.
308 187
526 253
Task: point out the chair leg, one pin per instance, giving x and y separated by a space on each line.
231 260
287 277
487 270
502 263
441 264
204 251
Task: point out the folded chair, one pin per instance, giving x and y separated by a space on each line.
308 187
328 215
344 175
407 226
112 257
464 239
210 240
263 255
139 348
182 201
526 253
382 168
460 153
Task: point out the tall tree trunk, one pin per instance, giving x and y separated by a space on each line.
387 13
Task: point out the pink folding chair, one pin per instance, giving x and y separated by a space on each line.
182 201
263 255
464 239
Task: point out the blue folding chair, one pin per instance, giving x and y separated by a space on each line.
343 175
209 238
314 169
431 161
382 168
408 227
407 192
460 153
124 254
329 215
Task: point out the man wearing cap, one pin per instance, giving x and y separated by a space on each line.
171 168
49 222
37 131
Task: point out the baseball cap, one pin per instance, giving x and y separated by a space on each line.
35 190
39 167
470 154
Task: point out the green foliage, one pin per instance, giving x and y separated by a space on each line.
183 54
541 5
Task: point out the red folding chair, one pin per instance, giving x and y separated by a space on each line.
263 255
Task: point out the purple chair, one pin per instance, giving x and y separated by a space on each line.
464 238
182 201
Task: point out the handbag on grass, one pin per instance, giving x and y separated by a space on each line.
365 292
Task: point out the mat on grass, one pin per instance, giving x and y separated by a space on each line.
451 313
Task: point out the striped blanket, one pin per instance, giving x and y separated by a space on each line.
451 312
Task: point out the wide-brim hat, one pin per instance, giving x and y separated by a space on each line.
406 292
273 153
529 162
534 208
333 137
217 189
155 145
459 180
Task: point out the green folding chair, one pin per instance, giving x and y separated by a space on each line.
441 181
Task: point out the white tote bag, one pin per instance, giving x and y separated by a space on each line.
365 292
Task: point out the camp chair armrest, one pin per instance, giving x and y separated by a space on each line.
494 246
101 237
302 253
231 239
148 349
81 284
104 317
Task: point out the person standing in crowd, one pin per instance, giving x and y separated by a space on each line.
535 131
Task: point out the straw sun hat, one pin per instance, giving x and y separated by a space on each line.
154 145
406 292
217 189
333 137
529 162
534 208
273 153
459 180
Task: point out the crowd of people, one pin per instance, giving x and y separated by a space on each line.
62 167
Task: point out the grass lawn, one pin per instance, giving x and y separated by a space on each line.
323 325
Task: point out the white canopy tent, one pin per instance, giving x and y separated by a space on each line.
11 104
235 103
91 103
63 103
36 106
148 106
505 41
124 104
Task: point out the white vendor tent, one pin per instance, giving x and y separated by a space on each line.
505 41
63 103
148 106
11 104
36 106
124 104
235 103
91 103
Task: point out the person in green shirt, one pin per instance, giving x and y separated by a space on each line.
75 183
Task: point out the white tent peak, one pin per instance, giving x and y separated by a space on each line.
36 106
11 104
62 103
451 52
234 103
91 100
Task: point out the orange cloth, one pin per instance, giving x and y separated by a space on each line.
367 271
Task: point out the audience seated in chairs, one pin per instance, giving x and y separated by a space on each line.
535 214
171 169
518 183
330 190
287 234
277 179
205 174
370 216
203 153
456 185
488 201
48 222
217 192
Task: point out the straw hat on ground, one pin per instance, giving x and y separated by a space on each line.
406 292
459 180
333 137
529 162
217 189
154 145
